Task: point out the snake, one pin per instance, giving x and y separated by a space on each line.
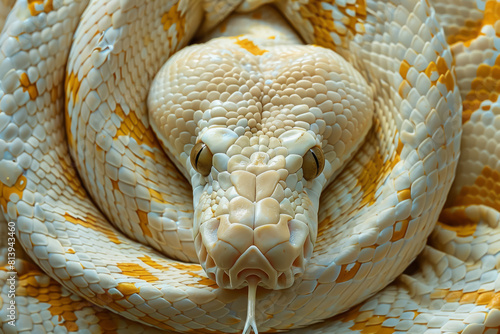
202 166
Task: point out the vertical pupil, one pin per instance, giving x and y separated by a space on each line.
317 163
198 156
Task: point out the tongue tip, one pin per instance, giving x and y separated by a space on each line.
250 323
249 326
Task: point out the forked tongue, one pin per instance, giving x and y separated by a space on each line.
250 323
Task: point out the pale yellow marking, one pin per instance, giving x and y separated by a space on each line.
323 24
28 86
92 223
34 6
250 46
137 271
6 191
173 16
486 86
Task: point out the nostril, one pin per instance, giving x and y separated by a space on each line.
282 280
298 262
210 263
226 281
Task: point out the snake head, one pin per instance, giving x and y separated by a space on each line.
259 133
256 214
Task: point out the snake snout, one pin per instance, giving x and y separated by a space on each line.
255 234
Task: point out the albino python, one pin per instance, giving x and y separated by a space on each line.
389 113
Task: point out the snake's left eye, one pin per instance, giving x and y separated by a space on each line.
201 159
313 163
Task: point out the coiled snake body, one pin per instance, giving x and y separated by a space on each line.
242 124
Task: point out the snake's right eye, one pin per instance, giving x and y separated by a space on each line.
313 163
201 159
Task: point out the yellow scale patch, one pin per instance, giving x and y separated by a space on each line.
91 222
35 6
455 219
486 86
373 326
375 171
128 289
365 322
107 322
469 31
223 27
472 28
55 93
485 190
71 87
137 271
173 16
64 305
6 191
346 273
189 269
322 21
28 86
249 46
143 223
491 12
462 229
61 304
489 299
399 230
132 127
372 174
436 72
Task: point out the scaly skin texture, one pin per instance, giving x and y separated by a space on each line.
104 228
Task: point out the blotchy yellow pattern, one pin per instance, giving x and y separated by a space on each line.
38 6
485 87
485 190
374 217
175 18
60 302
16 189
91 222
328 31
250 46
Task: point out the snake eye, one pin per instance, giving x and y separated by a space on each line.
313 163
201 159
